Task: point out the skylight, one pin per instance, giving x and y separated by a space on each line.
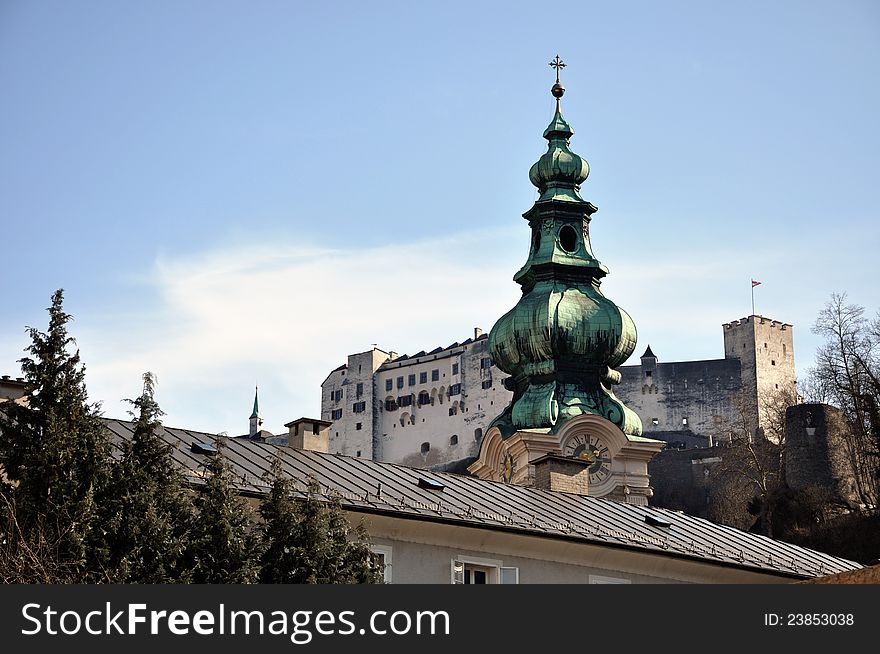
657 521
204 448
431 484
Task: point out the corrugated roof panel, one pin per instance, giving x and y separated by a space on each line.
486 504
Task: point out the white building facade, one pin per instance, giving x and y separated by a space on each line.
422 410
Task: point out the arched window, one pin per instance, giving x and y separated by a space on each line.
478 434
424 398
568 238
426 447
404 418
390 404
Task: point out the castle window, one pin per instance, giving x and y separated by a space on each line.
485 362
655 421
454 368
435 375
765 346
487 383
359 426
423 378
783 349
478 434
390 404
404 400
359 370
684 421
358 453
400 382
424 398
649 374
336 414
772 362
453 440
389 384
412 380
426 447
455 389
359 407
359 390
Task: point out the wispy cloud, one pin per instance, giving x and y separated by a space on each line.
284 314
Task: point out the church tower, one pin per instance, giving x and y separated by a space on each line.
256 422
562 341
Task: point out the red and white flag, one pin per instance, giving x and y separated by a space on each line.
754 283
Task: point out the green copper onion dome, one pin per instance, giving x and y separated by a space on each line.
559 172
563 339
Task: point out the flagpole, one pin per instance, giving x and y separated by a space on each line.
753 298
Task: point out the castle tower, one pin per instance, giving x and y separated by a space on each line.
256 422
765 348
561 343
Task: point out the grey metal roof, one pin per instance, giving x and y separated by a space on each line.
385 488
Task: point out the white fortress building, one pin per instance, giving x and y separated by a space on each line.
432 408
422 410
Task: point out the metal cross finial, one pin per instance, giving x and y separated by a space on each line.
557 64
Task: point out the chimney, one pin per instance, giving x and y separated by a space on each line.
563 474
309 434
477 332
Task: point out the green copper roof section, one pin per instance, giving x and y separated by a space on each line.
559 172
256 411
563 339
558 128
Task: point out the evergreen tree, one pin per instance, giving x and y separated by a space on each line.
224 546
147 511
309 540
56 451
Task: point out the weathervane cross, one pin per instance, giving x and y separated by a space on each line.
557 64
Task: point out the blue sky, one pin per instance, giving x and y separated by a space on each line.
241 192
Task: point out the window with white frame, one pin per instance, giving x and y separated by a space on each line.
473 570
382 554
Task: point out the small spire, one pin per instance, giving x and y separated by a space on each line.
256 412
649 354
557 90
559 172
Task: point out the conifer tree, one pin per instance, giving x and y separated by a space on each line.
309 540
56 452
147 511
224 545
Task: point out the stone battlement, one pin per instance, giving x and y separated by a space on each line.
761 321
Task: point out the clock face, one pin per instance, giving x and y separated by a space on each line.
592 449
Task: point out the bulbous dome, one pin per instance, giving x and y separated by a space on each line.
556 327
559 172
